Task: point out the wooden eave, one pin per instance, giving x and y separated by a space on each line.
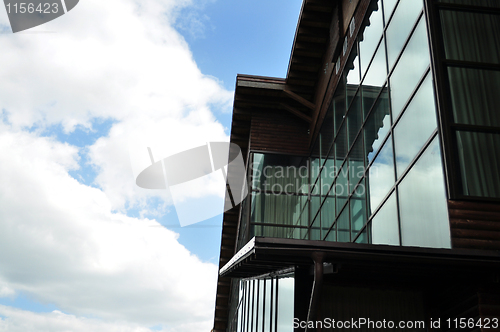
309 46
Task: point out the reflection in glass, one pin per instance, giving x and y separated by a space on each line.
356 164
352 76
326 133
341 188
327 174
315 200
279 173
363 237
339 107
260 306
285 303
416 126
479 163
381 175
474 93
377 126
384 228
375 77
370 38
471 36
269 304
277 209
354 118
422 203
388 8
358 212
315 232
341 144
410 68
343 226
400 27
315 161
327 214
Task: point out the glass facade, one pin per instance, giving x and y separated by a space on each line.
263 305
375 173
472 72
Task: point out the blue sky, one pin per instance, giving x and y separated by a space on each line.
81 98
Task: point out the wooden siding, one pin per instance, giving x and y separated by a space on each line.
277 131
474 225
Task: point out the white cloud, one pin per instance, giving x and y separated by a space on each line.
60 241
60 244
112 59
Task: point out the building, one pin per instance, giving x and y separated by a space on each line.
373 172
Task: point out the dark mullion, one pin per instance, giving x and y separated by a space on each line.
276 307
468 8
271 306
471 64
264 306
275 225
474 128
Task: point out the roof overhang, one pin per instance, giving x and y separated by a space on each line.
265 255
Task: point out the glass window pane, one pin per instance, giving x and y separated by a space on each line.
270 172
381 175
410 69
341 145
377 126
474 96
326 133
384 227
343 226
315 162
388 8
315 232
315 201
354 118
339 104
356 164
327 174
268 303
400 27
260 312
332 235
416 126
285 304
479 163
341 188
375 78
327 214
275 208
363 237
353 75
358 212
471 36
370 37
423 204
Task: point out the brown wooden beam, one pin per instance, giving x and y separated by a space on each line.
296 112
301 100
